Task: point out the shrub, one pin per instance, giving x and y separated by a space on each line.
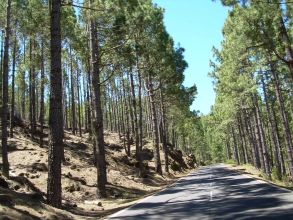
230 161
275 174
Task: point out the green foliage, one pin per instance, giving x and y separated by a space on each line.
275 174
231 161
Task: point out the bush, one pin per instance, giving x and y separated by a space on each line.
275 174
230 161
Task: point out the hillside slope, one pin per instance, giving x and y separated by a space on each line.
23 196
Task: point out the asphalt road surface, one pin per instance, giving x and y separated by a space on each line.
214 192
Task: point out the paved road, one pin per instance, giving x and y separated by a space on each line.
214 192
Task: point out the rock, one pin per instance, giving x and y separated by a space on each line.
68 203
98 203
114 196
16 187
5 218
86 193
37 196
72 167
147 154
72 187
176 155
146 165
5 198
130 177
3 183
175 166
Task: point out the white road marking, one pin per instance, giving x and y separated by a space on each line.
123 210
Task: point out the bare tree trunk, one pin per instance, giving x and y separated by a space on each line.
79 103
1 72
127 149
31 78
280 151
136 138
5 168
235 151
271 129
98 123
56 114
130 109
285 123
42 94
72 82
173 132
157 160
12 89
258 139
287 44
164 140
140 134
242 139
228 149
263 141
23 85
251 139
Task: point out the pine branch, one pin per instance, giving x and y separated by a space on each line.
83 7
275 3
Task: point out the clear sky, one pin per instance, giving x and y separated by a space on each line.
196 25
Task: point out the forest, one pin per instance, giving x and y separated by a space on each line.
251 120
86 67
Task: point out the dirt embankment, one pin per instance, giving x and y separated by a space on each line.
23 195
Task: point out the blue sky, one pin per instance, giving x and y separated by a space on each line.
196 25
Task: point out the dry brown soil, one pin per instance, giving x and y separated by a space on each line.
28 169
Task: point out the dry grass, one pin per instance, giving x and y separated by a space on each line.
257 174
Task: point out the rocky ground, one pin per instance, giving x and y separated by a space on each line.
23 195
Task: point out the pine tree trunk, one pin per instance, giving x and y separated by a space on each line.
235 151
251 140
72 83
228 149
56 114
271 129
258 139
173 132
157 160
31 100
140 134
34 120
287 44
136 138
127 148
263 141
280 151
79 103
5 168
285 123
243 141
42 95
1 72
23 85
98 122
164 138
130 108
12 89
